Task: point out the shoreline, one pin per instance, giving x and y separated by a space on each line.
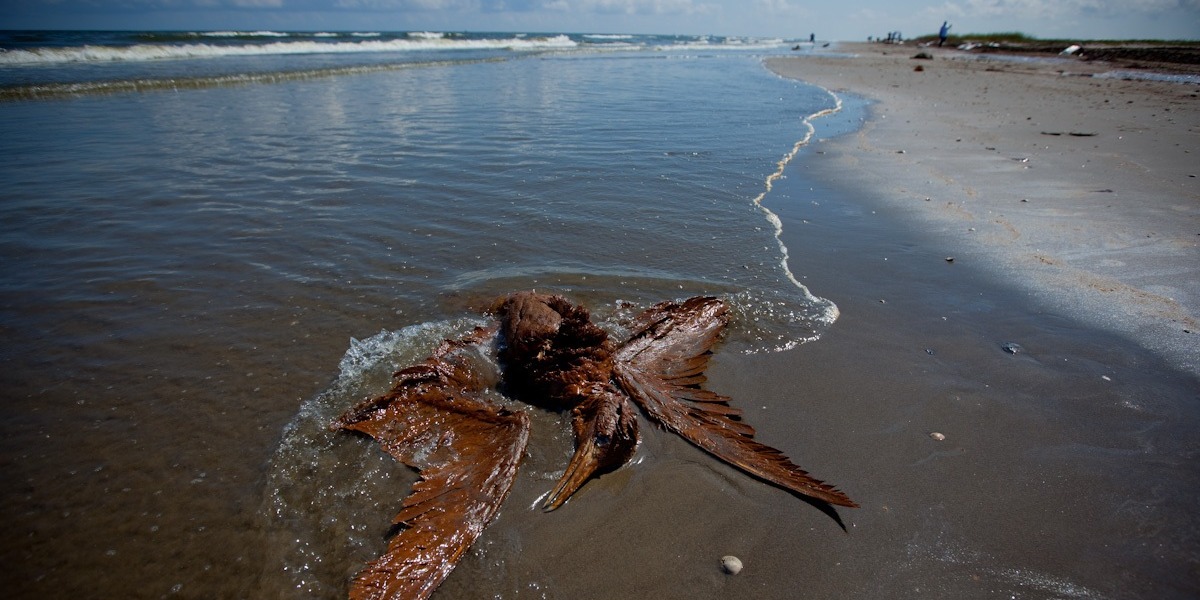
1082 192
1005 434
1063 470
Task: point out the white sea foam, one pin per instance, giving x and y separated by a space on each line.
408 344
143 52
830 312
231 34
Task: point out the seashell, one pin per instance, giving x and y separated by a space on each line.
731 564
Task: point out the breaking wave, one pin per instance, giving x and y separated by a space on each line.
146 52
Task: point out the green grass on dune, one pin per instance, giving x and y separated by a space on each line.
1018 38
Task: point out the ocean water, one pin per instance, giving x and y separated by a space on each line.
215 242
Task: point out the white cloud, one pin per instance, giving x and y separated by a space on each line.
416 5
1049 9
257 3
868 15
1038 9
630 7
774 6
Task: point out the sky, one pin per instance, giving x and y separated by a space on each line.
830 19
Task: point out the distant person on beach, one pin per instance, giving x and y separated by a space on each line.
943 33
812 38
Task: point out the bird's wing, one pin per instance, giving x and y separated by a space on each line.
467 450
662 367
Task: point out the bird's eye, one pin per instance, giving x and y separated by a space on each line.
603 440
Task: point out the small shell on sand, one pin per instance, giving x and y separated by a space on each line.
731 564
937 436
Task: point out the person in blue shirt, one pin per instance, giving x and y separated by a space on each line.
945 31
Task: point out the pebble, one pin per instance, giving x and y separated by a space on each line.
1012 347
938 436
731 564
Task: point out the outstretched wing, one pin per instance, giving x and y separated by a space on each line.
662 367
467 450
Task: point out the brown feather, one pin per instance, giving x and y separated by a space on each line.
467 450
659 366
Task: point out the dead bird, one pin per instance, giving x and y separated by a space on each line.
468 448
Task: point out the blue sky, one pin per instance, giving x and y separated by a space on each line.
829 19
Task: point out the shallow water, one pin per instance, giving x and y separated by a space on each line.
185 269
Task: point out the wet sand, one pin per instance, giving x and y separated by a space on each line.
1067 469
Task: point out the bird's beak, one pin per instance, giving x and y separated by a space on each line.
605 438
584 464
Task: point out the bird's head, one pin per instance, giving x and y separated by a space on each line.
606 437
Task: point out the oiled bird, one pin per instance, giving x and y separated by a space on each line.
552 355
467 448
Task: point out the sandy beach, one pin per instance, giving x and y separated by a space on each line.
1018 421
1083 192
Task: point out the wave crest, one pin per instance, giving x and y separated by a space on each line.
144 52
